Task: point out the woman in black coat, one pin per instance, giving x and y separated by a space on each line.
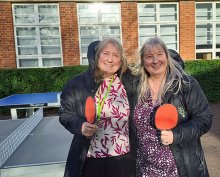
176 152
107 147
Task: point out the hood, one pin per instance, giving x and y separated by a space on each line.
92 49
176 57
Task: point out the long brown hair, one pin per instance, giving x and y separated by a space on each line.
98 74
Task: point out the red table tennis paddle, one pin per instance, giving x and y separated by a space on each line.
90 110
166 117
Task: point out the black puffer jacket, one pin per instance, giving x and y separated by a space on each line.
72 114
194 119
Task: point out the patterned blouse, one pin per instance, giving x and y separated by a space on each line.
153 158
112 137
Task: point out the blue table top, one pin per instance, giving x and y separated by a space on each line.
29 99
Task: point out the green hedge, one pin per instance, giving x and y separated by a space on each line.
36 80
14 81
207 72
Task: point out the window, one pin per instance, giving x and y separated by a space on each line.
97 21
37 35
207 30
158 19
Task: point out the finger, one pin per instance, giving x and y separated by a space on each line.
165 143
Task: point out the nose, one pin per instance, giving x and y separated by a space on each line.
110 58
155 59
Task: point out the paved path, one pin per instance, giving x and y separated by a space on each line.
211 143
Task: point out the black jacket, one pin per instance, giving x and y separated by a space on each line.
194 120
72 116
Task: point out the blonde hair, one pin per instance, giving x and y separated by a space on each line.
174 72
97 72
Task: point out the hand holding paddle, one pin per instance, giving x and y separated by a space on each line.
90 110
88 128
165 119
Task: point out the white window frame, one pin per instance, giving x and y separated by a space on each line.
159 23
99 25
214 22
37 26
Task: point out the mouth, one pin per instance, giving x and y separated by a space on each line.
108 65
156 66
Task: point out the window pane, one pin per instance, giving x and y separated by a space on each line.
44 19
109 8
48 9
24 9
89 31
218 36
150 8
168 34
51 61
26 41
27 50
110 30
88 18
217 55
50 41
218 11
147 13
49 36
51 50
26 31
204 11
204 36
88 8
110 18
204 56
168 12
168 29
84 61
88 13
24 19
147 30
28 62
49 31
24 14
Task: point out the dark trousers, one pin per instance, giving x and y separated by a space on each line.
117 166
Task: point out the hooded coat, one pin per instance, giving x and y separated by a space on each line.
72 112
194 120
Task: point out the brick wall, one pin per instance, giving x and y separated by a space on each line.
70 36
69 33
129 29
187 29
7 46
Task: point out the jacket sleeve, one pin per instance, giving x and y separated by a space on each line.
68 115
199 115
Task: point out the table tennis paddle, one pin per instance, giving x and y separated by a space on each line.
166 117
90 110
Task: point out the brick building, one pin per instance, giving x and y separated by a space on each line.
48 33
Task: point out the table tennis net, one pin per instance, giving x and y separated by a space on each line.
12 142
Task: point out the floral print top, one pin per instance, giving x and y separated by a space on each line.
153 158
112 137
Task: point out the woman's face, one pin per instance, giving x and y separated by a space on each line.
155 61
109 60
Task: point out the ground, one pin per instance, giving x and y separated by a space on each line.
211 143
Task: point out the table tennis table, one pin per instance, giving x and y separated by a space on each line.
43 151
30 101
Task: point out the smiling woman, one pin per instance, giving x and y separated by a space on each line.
109 143
169 151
